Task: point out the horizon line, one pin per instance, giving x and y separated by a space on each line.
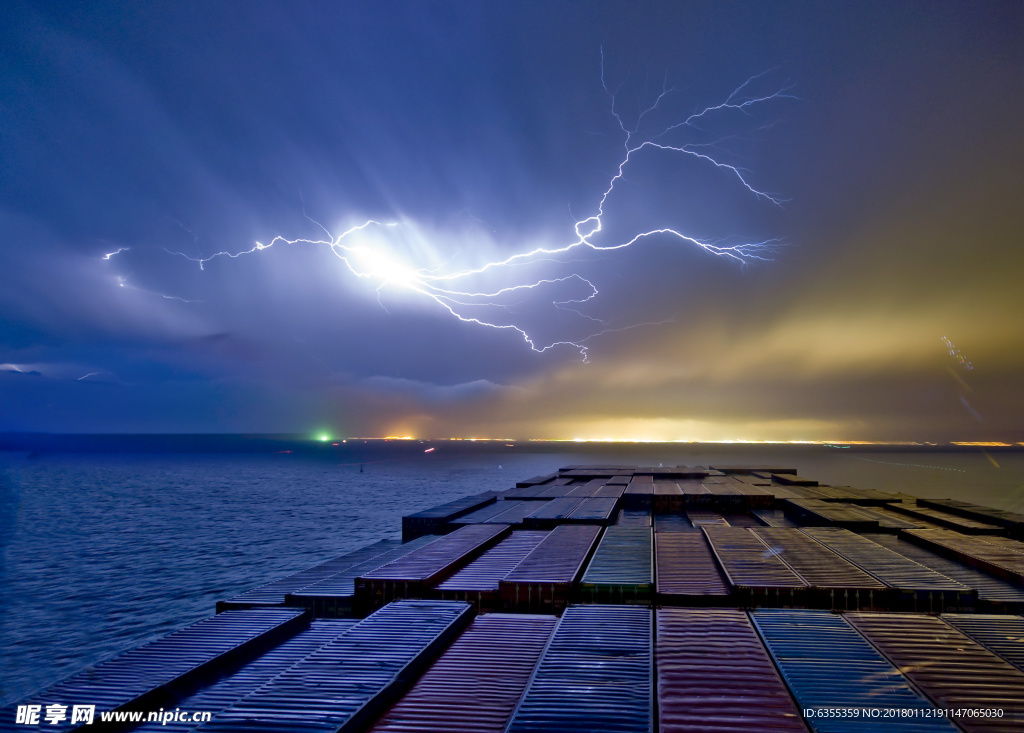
326 437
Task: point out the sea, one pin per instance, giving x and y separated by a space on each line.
101 552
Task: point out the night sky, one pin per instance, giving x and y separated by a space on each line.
877 149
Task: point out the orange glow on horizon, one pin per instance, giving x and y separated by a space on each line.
985 444
736 441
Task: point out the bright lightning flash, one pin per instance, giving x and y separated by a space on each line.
377 264
369 255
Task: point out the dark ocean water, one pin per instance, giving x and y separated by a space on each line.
99 553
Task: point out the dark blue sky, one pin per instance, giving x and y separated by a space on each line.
173 132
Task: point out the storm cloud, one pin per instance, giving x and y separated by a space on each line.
140 141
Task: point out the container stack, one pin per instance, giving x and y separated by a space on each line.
611 598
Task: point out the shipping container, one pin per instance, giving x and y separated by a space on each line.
594 511
553 512
921 588
536 480
714 674
475 685
706 518
556 492
860 497
750 480
157 674
846 494
791 479
639 493
720 487
756 471
745 481
347 683
1014 546
739 519
676 522
434 520
597 471
1001 635
773 518
994 593
696 494
698 473
833 493
489 512
758 577
547 577
537 492
668 497
965 525
333 596
802 492
971 550
594 677
527 491
477 583
634 517
686 571
273 593
584 491
724 495
780 492
515 513
821 513
874 497
753 496
412 575
221 694
955 672
662 471
833 582
892 522
827 664
621 569
1013 522
610 491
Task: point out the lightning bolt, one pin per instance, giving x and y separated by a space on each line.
387 268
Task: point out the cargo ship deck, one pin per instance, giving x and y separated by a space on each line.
607 598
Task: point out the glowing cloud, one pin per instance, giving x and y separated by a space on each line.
486 293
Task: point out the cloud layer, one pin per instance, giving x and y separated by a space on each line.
162 136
